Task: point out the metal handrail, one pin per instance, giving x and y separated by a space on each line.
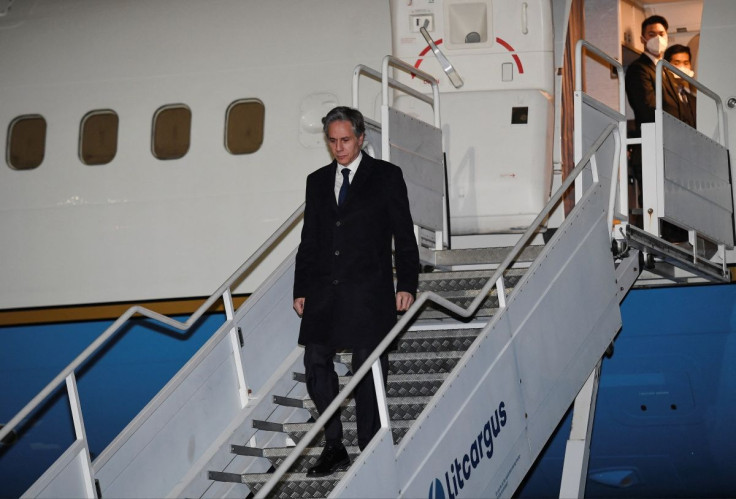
610 60
362 69
160 318
390 60
430 296
703 89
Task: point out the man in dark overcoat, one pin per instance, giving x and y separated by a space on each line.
343 284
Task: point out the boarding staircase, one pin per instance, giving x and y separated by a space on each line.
487 362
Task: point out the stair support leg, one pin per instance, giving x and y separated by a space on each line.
381 399
235 342
577 451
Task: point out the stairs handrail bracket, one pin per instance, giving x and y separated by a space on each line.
443 302
137 310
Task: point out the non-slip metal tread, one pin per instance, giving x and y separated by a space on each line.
436 342
401 385
276 455
347 426
399 408
308 458
396 378
414 362
295 484
264 477
440 333
307 403
349 429
466 274
489 256
282 452
487 308
465 280
346 357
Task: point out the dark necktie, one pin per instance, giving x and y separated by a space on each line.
344 188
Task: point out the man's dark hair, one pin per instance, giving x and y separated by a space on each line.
676 49
654 20
344 113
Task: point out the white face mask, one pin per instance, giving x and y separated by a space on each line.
657 45
685 70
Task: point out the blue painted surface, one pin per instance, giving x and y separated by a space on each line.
666 402
663 427
124 377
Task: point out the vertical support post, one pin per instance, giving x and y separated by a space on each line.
380 393
692 238
623 176
501 291
722 254
385 129
81 436
577 451
650 178
227 299
578 137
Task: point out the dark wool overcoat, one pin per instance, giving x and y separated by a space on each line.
641 84
344 267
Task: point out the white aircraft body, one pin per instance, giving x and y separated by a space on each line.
119 182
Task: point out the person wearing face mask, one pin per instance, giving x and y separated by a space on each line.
679 56
641 87
641 78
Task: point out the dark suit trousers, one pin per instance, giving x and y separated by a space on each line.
323 387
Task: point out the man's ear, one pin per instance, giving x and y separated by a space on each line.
360 140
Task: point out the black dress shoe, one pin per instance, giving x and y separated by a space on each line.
333 458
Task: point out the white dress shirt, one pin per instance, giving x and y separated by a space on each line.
353 167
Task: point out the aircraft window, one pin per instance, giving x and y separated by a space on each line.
98 137
171 131
244 126
26 142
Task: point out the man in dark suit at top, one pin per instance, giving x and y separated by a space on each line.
343 282
641 78
679 56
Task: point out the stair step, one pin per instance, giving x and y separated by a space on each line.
276 455
400 408
414 362
487 308
475 256
400 385
435 341
466 280
294 484
350 436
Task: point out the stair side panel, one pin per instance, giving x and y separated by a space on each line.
524 372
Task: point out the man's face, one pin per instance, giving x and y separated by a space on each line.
344 145
681 60
653 30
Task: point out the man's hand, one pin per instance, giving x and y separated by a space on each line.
299 306
403 301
